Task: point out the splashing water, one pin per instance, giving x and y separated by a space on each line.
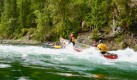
43 63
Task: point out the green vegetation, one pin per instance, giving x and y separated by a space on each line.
44 19
135 47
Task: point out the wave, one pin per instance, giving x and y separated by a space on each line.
88 59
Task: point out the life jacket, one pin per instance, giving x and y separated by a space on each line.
102 47
73 39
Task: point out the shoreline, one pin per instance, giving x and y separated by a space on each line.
33 42
26 42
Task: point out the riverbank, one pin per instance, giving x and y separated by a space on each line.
122 40
27 42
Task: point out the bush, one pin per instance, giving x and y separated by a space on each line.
94 36
135 47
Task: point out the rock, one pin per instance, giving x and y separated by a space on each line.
123 45
84 38
20 42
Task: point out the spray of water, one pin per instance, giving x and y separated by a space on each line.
67 58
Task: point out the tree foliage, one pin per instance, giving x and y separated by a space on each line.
58 18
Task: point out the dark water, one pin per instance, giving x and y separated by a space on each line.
41 63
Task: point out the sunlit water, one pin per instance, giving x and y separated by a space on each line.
21 62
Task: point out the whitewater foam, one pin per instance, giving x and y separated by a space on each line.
4 66
88 59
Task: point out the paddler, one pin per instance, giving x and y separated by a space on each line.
102 47
57 45
72 39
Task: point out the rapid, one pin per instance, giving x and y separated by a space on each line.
39 62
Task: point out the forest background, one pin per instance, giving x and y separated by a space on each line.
43 20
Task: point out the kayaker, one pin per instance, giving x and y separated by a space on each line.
102 47
72 39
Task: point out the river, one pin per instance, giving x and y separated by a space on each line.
28 62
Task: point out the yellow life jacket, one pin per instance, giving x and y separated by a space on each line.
73 39
102 47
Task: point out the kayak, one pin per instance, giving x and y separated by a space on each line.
64 42
111 56
57 46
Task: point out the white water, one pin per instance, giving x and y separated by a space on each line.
91 54
62 59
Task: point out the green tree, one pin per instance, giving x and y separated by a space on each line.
8 19
98 13
46 18
124 13
24 14
43 21
1 6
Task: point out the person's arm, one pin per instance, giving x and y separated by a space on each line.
70 40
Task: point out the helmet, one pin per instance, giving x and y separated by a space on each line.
100 41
